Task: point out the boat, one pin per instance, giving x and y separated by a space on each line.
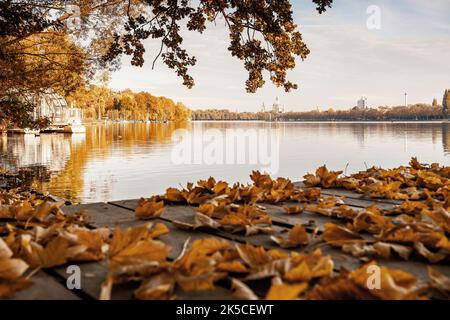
74 128
52 129
24 131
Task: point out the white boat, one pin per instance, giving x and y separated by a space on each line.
74 129
24 131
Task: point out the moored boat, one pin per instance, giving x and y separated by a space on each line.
74 128
24 131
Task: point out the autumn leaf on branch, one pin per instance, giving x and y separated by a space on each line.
263 35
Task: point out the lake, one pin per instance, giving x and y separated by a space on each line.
130 160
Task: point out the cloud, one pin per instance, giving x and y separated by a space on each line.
347 60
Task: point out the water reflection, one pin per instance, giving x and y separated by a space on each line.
446 137
119 161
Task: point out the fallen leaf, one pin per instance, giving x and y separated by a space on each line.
297 237
157 287
242 291
286 291
149 209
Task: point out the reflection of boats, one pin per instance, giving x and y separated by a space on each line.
49 150
24 131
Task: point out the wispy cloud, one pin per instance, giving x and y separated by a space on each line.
409 53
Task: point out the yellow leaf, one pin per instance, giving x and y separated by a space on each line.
286 291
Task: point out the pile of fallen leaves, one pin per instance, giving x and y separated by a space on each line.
36 234
419 225
414 182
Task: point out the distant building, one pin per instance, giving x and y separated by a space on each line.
362 103
277 107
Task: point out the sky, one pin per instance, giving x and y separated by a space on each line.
379 49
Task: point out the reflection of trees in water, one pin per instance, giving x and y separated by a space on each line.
60 163
446 137
130 139
36 159
401 131
20 151
56 162
26 178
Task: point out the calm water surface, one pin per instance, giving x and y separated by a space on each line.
123 161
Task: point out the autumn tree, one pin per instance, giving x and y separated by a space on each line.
434 103
446 102
262 34
60 44
35 56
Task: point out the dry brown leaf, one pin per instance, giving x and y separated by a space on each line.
286 291
195 268
395 284
174 195
252 255
157 287
439 281
158 230
432 257
149 209
293 210
306 267
207 209
106 288
8 289
55 253
337 235
134 251
297 237
323 177
234 266
200 282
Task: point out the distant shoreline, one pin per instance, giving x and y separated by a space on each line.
330 121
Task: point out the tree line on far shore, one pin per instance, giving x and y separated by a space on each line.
100 102
416 112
